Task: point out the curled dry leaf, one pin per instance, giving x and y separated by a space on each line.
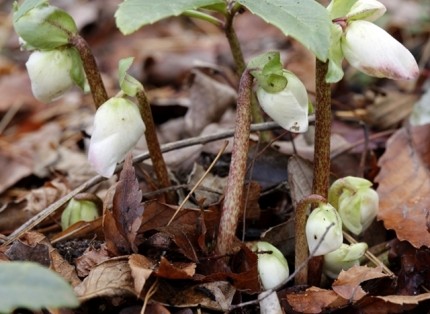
404 185
111 278
141 268
175 270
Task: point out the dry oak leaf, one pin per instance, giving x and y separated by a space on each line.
314 300
404 185
141 268
347 285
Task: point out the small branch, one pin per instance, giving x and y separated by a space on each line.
236 177
92 72
301 244
38 218
153 144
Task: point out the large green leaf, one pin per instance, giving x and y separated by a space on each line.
133 14
32 286
305 20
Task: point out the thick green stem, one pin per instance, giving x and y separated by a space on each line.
301 244
153 144
236 177
321 152
92 72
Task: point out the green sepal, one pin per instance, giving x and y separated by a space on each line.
43 26
340 8
128 84
77 72
311 108
268 71
335 70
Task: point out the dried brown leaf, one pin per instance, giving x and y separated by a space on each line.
404 185
90 258
141 268
314 300
108 279
127 209
175 270
348 283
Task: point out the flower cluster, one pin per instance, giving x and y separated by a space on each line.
365 45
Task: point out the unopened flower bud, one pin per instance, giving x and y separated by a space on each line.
324 220
80 209
289 107
343 258
50 73
43 26
356 202
373 51
272 265
117 128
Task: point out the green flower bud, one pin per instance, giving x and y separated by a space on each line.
320 219
272 265
356 202
43 26
81 208
343 258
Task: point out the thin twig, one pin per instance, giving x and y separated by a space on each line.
199 182
35 220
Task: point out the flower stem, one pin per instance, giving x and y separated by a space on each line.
92 72
153 144
236 177
236 50
301 244
321 151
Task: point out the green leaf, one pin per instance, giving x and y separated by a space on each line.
133 14
129 85
43 26
267 69
340 8
32 286
305 20
77 72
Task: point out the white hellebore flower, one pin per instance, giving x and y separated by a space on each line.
49 73
373 51
356 202
117 128
272 265
289 107
368 10
343 258
320 219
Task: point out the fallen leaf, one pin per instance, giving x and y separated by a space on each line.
314 300
347 285
89 259
111 278
404 185
141 268
175 270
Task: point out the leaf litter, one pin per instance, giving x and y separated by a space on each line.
132 252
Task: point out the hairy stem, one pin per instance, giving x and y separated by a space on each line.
153 144
301 244
321 151
92 72
236 50
236 177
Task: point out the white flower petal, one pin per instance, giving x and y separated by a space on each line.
373 51
368 10
318 221
117 128
49 73
289 108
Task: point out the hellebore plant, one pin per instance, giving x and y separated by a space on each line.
343 258
356 202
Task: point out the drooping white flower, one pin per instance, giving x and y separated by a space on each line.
373 51
356 202
49 73
272 265
321 218
117 128
289 107
343 258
